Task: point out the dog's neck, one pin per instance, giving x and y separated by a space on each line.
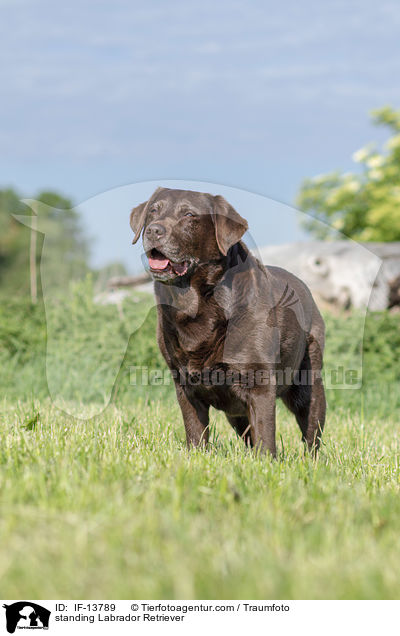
189 295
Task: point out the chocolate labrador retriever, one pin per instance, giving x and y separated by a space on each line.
235 334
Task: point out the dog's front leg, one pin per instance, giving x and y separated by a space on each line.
261 413
195 418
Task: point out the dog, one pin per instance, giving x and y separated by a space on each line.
235 334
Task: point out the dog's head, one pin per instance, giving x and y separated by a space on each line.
183 229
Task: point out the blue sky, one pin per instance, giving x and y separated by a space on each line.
252 95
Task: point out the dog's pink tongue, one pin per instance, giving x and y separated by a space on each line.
158 262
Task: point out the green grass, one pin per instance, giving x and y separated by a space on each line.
116 507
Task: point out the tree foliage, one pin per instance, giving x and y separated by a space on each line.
364 206
67 251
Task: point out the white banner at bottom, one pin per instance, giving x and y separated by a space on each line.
171 617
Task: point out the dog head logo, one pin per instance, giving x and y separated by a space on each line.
26 615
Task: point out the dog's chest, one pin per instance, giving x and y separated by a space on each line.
200 344
213 391
199 359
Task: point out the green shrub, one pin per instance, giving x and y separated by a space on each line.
100 343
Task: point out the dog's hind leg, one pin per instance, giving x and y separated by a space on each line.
306 397
317 407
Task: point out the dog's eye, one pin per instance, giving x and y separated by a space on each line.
189 214
153 211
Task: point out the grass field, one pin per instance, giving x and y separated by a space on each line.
115 507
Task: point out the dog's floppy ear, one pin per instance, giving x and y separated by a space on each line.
229 225
137 219
138 216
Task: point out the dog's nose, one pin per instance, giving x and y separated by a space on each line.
155 230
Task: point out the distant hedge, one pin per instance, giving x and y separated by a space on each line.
94 335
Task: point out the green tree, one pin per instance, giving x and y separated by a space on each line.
67 250
364 206
14 243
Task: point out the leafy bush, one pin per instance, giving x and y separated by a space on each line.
88 345
365 205
22 329
92 346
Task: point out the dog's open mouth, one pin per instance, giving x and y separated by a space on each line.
160 264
